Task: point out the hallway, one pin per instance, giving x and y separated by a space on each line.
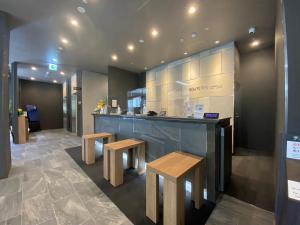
46 187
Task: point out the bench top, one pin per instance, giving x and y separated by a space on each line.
123 145
97 135
175 165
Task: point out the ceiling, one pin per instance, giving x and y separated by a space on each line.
42 73
108 26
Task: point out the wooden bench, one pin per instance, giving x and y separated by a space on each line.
174 167
88 145
113 159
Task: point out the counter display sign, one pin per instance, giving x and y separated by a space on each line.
211 115
294 190
293 150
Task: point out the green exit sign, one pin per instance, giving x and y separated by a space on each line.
53 67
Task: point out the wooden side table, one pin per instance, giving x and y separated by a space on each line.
88 145
23 129
113 159
173 167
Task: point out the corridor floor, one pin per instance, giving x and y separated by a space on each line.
46 187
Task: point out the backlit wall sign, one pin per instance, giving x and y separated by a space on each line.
53 67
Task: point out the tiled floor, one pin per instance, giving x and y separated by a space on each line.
47 187
231 211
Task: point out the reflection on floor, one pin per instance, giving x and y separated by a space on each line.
230 211
46 187
252 178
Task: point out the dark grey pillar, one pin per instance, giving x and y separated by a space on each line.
288 108
79 103
15 101
5 154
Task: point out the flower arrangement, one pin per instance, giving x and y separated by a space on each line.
100 106
20 112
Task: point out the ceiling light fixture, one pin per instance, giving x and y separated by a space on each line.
114 57
181 40
185 53
33 68
81 9
60 48
65 41
54 60
154 33
74 22
130 47
206 28
192 10
62 73
145 68
217 42
32 78
255 43
54 81
162 62
141 41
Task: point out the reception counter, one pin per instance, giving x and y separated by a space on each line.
163 135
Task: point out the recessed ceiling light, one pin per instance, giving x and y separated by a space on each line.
33 68
192 10
194 34
114 57
54 81
255 43
60 48
130 47
54 60
62 73
32 78
145 68
217 42
154 33
141 41
74 22
65 41
162 61
81 9
206 28
185 53
181 40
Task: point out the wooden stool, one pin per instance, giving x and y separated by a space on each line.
113 159
88 145
173 167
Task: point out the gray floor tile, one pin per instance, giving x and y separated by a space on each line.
14 221
37 210
10 206
70 211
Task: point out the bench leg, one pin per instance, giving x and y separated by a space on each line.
141 159
89 151
174 195
197 189
106 162
152 199
111 139
116 168
130 159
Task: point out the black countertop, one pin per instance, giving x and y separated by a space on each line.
165 118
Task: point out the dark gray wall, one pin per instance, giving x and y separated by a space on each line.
5 154
48 98
288 108
258 100
119 83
